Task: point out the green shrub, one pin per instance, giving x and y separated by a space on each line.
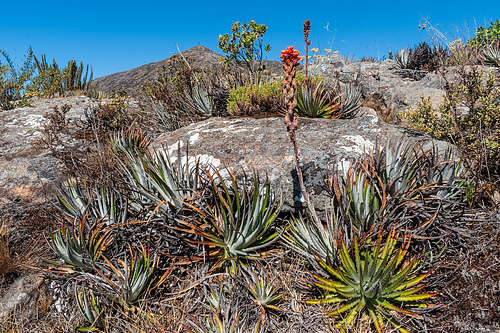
13 81
51 80
256 99
245 45
469 118
486 36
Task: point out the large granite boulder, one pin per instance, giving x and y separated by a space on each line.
28 172
263 144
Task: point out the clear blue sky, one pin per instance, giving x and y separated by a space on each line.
118 35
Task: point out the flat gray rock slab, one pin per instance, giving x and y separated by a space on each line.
263 145
27 172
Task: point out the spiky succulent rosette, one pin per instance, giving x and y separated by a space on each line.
238 224
376 281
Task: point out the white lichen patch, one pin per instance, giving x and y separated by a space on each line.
194 138
204 160
200 126
343 166
240 130
172 149
221 129
208 160
29 121
360 146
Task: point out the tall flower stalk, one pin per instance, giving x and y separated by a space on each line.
290 58
307 29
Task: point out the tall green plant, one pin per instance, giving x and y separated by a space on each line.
12 80
51 80
245 44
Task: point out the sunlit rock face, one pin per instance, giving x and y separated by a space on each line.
247 144
27 172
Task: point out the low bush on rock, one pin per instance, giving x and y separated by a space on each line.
64 138
182 95
256 99
469 118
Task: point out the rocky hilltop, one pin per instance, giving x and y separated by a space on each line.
132 81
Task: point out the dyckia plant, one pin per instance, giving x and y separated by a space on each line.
81 246
374 281
89 309
101 203
264 291
315 100
157 180
133 279
223 317
312 240
239 224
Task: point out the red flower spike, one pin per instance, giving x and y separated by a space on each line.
290 54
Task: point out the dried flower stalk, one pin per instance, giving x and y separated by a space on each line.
307 29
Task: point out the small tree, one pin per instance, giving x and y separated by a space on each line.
245 45
486 36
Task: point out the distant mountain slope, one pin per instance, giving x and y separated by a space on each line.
133 80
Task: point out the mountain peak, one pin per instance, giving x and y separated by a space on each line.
132 81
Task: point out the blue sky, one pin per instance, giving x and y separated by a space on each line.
114 36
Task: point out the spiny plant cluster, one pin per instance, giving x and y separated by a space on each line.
202 215
121 248
421 57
